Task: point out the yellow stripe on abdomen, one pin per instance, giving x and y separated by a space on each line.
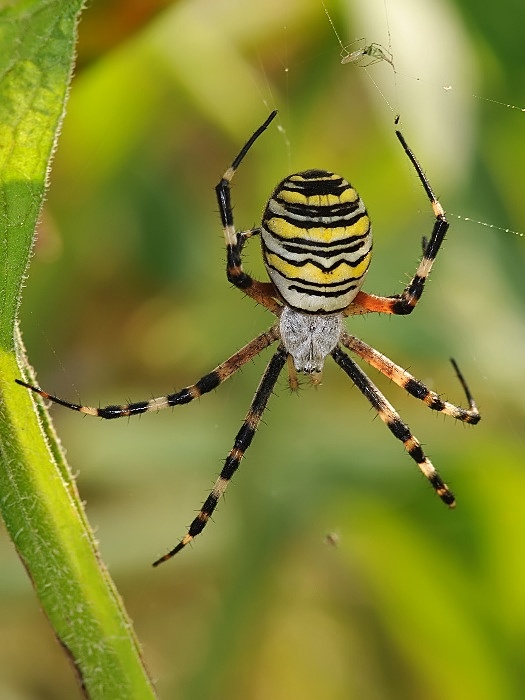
286 229
317 241
313 275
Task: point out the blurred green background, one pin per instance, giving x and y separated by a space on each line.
127 298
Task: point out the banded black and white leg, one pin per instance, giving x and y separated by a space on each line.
414 386
393 421
242 441
405 303
206 384
262 292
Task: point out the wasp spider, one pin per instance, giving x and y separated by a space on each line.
317 244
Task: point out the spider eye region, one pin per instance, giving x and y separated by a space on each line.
309 338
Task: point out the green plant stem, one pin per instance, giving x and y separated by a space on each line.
39 501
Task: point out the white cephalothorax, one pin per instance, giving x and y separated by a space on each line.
309 338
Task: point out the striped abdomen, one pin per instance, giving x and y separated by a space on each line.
316 241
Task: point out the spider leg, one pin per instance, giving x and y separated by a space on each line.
203 386
262 292
243 440
414 387
392 420
242 236
405 302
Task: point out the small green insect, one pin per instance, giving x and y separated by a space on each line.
375 52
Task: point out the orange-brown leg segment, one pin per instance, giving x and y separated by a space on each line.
203 386
414 387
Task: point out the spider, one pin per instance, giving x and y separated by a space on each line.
317 244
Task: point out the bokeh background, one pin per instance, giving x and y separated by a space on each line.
331 570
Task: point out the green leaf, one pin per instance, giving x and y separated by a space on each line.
38 497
